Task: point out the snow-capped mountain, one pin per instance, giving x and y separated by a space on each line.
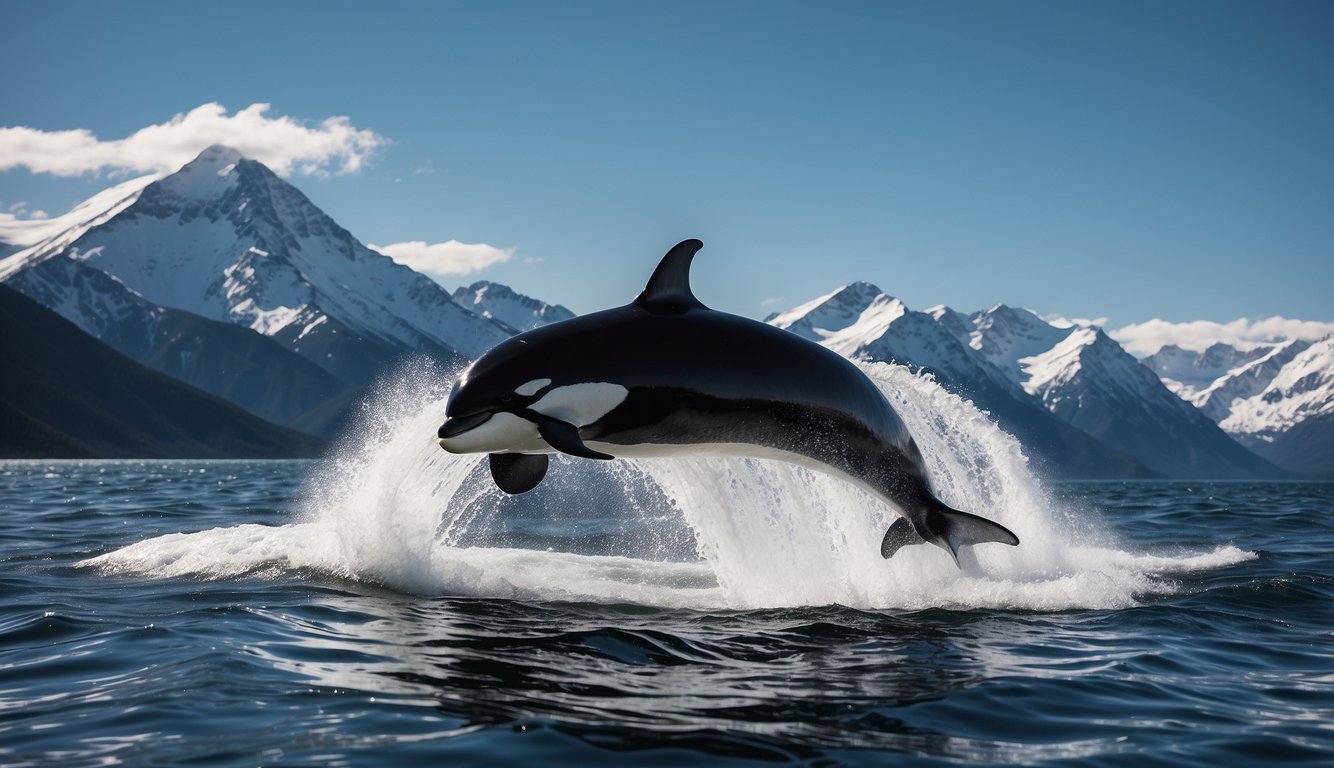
1088 380
1218 377
861 321
1010 338
1188 373
500 302
226 239
1006 359
1277 399
229 278
1301 388
19 234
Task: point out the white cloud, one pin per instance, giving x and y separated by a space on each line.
1061 321
447 258
19 211
286 145
1149 337
770 302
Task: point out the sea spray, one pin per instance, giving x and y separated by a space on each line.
382 495
702 532
777 534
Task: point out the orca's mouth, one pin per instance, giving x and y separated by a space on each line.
555 433
455 426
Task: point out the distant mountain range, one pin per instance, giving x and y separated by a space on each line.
1277 399
1030 376
228 279
860 321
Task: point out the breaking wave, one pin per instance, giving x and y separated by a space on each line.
705 533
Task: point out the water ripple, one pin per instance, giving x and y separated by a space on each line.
1227 660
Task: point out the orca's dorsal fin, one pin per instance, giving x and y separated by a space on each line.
668 290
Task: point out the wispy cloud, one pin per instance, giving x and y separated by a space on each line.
448 258
20 210
1149 337
331 146
770 302
1061 321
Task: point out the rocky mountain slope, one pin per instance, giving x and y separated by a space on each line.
229 278
1263 396
861 321
225 239
500 302
65 394
1011 362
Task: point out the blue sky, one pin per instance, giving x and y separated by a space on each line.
1125 160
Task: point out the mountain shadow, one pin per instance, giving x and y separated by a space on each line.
68 395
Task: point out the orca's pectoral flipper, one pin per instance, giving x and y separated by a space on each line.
947 528
563 436
518 472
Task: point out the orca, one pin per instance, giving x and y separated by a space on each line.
667 376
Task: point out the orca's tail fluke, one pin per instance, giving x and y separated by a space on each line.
945 527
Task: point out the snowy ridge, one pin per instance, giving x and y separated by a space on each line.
1223 379
859 321
1088 360
502 303
1300 389
24 236
1076 373
825 315
1186 372
96 302
226 239
1047 374
1007 337
959 325
1247 380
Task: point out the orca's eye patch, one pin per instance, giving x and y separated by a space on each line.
532 387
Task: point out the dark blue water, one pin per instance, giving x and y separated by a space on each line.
302 667
387 608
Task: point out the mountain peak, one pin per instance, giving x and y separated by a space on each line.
227 239
834 311
1006 337
497 301
218 155
483 288
1004 313
858 292
213 173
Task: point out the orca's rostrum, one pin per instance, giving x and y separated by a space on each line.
667 376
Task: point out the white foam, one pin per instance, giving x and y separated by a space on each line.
392 508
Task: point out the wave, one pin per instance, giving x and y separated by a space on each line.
704 533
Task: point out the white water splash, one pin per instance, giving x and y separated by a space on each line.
393 508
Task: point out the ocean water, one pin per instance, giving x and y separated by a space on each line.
387 606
